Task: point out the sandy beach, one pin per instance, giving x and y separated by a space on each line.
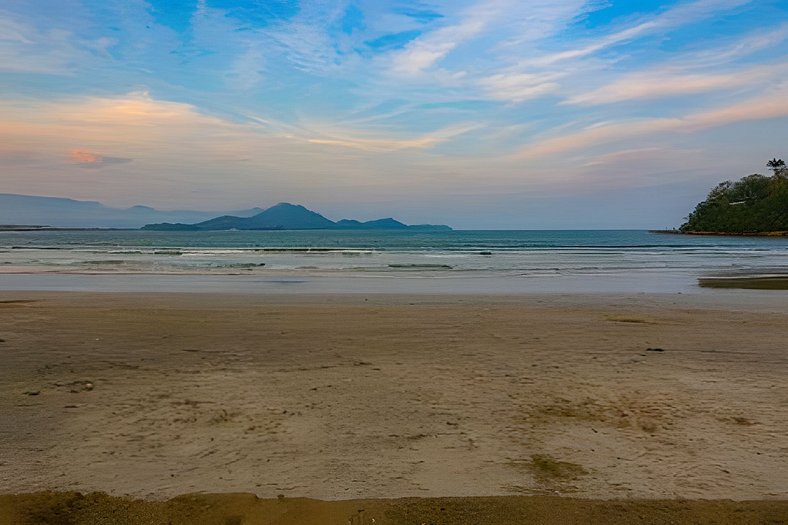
596 397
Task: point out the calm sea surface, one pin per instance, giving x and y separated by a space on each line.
464 261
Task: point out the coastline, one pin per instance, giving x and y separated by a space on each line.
419 284
337 397
34 228
315 282
723 234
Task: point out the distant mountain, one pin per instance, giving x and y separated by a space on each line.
69 213
286 216
388 224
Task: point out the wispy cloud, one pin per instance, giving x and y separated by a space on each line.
684 14
770 105
373 144
661 83
424 52
626 155
741 46
520 87
25 49
529 66
247 70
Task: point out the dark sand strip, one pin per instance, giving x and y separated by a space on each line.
767 282
74 508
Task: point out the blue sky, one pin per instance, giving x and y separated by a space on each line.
489 114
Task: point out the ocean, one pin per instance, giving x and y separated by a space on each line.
321 261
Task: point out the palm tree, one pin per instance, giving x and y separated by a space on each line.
776 165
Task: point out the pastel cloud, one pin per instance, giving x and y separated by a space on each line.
132 123
344 138
665 83
771 105
682 15
89 159
519 87
173 144
423 53
84 157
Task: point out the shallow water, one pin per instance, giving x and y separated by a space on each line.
468 261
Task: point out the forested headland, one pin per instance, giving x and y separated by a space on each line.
756 205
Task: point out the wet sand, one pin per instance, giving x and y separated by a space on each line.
342 398
768 282
224 509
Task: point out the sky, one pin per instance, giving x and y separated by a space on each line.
478 114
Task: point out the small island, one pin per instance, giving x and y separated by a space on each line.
286 216
754 205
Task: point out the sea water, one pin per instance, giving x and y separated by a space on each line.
386 261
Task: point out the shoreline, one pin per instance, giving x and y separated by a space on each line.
318 283
746 300
296 282
32 228
723 234
197 509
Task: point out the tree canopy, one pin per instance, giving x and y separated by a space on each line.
754 204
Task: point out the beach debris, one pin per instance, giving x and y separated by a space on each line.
31 392
655 349
485 253
81 386
627 319
415 266
739 420
76 387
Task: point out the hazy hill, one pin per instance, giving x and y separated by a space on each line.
387 224
289 216
286 216
70 213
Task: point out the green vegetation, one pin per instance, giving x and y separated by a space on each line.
753 204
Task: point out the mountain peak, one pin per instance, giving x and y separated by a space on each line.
288 216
